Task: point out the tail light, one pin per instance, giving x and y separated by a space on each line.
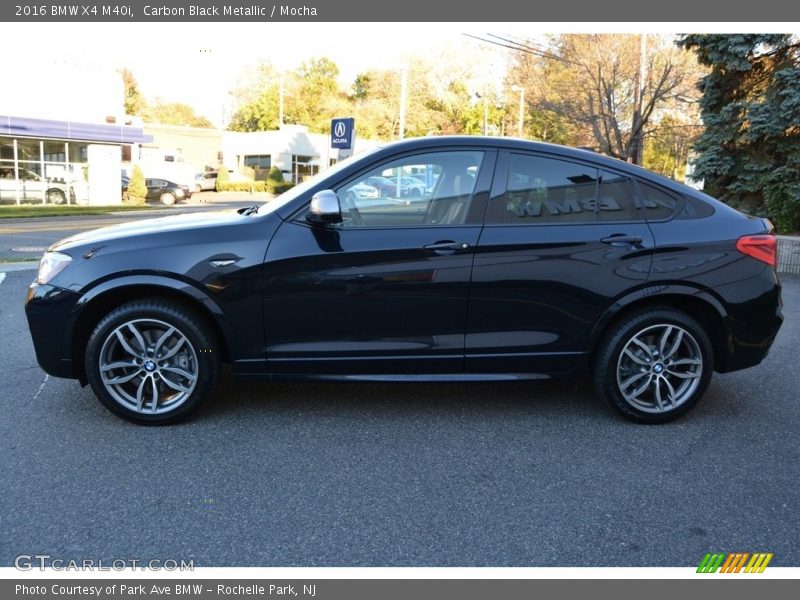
761 247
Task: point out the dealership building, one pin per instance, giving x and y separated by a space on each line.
72 148
68 147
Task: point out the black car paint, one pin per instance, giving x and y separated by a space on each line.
310 301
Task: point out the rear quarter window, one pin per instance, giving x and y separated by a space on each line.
658 204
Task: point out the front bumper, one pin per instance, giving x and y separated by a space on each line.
50 313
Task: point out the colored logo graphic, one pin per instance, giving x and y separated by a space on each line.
734 562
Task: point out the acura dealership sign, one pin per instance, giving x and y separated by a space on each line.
342 133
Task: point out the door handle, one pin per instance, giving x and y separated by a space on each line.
447 247
620 239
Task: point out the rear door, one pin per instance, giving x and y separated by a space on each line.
562 241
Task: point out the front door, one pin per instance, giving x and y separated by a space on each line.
385 291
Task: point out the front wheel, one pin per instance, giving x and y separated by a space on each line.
654 366
168 198
152 362
56 196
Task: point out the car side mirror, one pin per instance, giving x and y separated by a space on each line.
324 209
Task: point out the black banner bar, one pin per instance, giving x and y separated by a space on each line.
396 589
514 11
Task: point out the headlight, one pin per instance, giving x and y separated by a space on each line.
52 264
179 193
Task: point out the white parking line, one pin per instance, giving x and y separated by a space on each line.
41 387
2 277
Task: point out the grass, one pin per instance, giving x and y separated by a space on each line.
16 212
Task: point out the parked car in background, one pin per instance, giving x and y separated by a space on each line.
160 190
166 192
529 261
361 191
32 188
206 182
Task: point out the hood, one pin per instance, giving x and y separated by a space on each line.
146 227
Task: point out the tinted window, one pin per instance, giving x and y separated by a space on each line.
546 190
657 204
615 198
427 189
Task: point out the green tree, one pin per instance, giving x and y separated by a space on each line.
134 100
223 177
173 113
137 190
261 114
749 152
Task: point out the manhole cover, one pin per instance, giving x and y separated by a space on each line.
29 249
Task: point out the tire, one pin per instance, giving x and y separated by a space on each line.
127 377
654 365
56 196
168 198
197 188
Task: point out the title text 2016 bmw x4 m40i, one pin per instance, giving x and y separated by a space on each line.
521 260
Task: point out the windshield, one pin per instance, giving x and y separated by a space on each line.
300 189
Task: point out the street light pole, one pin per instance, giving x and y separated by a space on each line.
521 124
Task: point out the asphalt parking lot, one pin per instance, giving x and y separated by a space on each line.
518 474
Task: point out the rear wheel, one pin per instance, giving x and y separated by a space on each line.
654 366
152 361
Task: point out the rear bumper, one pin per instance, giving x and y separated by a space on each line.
49 311
752 323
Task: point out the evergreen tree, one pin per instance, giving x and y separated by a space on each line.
749 153
137 190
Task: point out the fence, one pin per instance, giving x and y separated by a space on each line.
789 254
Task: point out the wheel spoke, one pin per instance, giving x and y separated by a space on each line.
633 379
160 341
673 348
662 343
122 378
683 375
670 391
174 350
138 336
632 355
175 385
140 394
154 389
685 362
118 365
647 349
181 372
125 344
659 401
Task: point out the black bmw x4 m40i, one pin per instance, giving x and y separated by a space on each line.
519 260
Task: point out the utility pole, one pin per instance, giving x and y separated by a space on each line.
280 102
521 123
403 94
637 155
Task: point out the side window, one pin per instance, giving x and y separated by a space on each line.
546 190
426 189
615 199
543 190
657 205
